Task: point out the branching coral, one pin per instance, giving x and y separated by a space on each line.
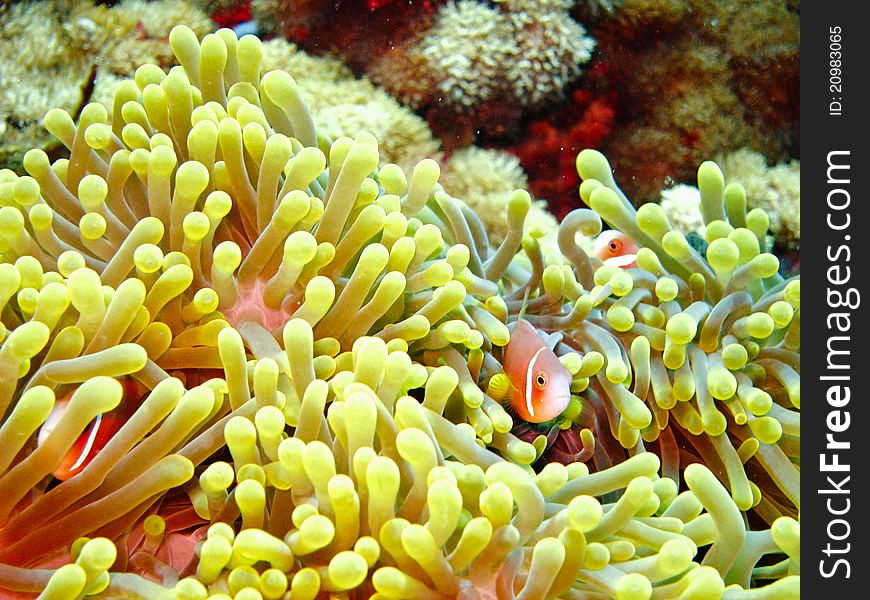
318 340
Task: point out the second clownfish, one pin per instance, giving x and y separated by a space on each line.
540 387
616 249
100 431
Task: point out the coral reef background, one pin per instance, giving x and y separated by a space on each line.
54 52
670 84
658 86
698 79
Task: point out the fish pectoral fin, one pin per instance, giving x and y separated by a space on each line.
499 387
514 396
579 411
508 407
505 393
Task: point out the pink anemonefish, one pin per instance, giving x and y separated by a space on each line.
616 249
102 429
540 385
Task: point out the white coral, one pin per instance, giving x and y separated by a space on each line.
550 49
485 180
466 48
681 204
775 189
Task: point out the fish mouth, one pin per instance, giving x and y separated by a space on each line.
624 261
563 401
555 407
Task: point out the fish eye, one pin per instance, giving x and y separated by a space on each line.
541 380
614 246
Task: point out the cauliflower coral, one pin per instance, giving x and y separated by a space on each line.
523 52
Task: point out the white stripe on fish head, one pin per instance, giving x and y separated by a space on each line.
89 444
530 374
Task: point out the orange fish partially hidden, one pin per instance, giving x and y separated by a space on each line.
616 249
540 385
96 435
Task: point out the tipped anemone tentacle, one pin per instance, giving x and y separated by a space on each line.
278 367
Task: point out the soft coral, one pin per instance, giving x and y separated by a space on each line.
552 142
232 15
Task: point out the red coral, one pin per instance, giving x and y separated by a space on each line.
552 143
427 5
359 32
230 16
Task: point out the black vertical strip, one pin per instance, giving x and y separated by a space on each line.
835 261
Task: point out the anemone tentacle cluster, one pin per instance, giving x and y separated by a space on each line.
713 342
306 350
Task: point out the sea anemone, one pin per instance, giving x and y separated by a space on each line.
712 342
300 351
342 104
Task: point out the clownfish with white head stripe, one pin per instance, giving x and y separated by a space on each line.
96 435
616 249
540 387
